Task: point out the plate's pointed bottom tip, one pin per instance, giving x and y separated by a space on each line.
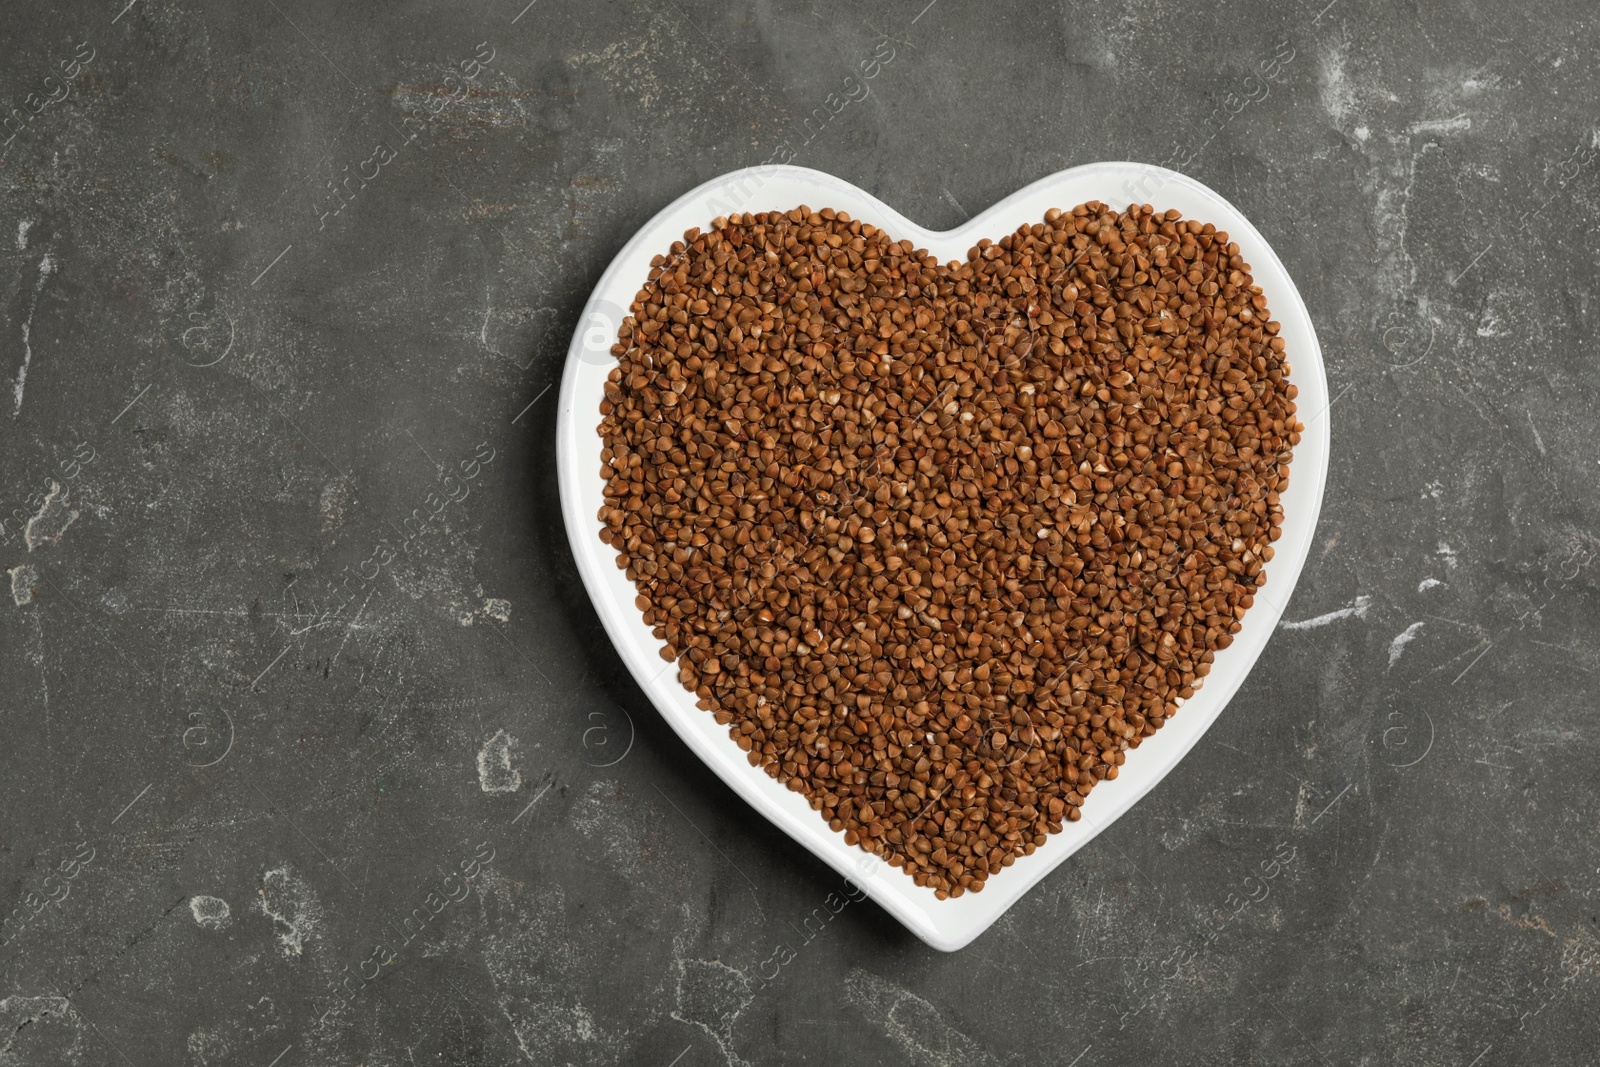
942 931
951 940
949 944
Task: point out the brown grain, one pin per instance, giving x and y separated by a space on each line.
939 543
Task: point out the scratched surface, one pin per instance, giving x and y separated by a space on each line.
315 753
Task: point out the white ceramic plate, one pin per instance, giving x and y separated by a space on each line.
944 924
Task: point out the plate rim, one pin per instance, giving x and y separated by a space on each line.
951 924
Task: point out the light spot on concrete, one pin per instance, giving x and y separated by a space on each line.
52 518
290 903
47 267
1338 96
1357 609
495 771
24 584
1397 647
208 1047
212 913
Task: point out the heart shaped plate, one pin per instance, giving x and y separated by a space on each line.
945 924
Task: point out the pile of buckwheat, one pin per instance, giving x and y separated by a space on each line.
939 543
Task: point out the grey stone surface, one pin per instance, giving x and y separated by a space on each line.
230 387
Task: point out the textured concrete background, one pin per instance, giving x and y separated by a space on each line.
292 638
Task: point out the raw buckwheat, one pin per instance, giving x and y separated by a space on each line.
939 543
